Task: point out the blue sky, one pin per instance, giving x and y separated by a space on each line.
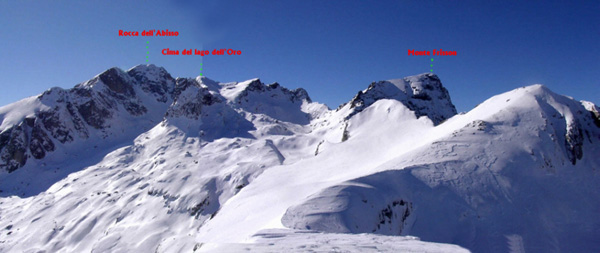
330 48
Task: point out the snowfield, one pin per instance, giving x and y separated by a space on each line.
282 240
139 161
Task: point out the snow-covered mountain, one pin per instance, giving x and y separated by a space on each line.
139 161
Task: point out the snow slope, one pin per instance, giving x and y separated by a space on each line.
216 167
281 240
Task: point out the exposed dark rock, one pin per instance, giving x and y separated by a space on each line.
198 209
182 84
391 212
53 123
40 142
78 123
14 147
16 140
574 141
422 96
159 82
209 99
115 81
93 115
345 134
256 85
134 108
479 125
190 107
81 92
300 94
596 117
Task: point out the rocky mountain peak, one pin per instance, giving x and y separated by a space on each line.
256 86
117 103
153 80
424 94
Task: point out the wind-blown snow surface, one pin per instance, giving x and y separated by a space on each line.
210 166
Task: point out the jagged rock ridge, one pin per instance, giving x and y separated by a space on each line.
147 94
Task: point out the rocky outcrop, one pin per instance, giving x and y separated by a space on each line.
424 94
274 101
256 86
189 98
574 141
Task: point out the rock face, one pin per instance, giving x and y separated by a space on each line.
64 116
189 98
200 111
423 94
257 97
594 111
15 143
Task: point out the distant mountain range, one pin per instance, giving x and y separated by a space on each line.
138 160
